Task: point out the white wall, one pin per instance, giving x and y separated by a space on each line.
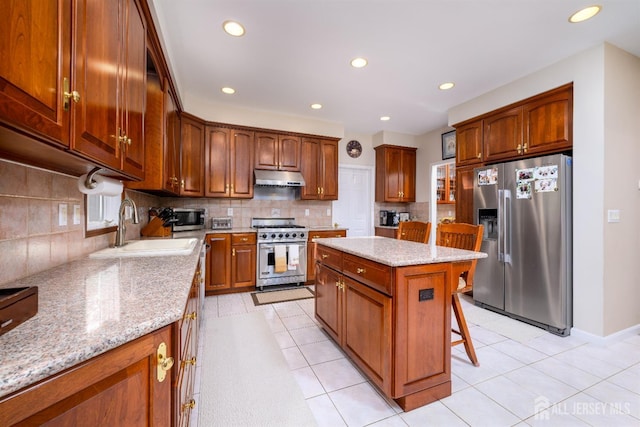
429 152
598 307
621 179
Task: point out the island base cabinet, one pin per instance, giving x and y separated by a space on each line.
117 388
400 339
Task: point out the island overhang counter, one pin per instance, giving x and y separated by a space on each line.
387 303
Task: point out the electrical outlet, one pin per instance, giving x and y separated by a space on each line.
306 212
613 215
275 212
62 214
328 212
229 211
76 214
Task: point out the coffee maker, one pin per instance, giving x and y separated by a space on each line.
387 218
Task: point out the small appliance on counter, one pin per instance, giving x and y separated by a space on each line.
403 216
224 223
188 219
387 218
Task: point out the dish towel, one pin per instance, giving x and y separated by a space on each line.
280 253
294 257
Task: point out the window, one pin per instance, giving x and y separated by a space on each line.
101 214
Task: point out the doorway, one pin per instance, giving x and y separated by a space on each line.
354 207
442 194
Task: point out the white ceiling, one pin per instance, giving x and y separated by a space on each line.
297 52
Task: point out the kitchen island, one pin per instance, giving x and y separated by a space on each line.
387 303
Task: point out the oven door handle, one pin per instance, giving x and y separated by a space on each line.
286 244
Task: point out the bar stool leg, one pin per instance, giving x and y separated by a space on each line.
464 330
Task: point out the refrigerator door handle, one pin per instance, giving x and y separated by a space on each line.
500 225
506 234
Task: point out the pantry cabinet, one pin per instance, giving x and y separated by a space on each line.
229 163
319 167
85 88
277 152
192 151
395 173
231 262
464 190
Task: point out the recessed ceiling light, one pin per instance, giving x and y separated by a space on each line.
358 62
446 86
316 106
233 28
385 118
228 90
584 14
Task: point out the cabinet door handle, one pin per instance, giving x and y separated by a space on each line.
189 405
519 148
479 155
191 361
321 190
164 363
191 316
68 95
525 147
233 252
182 183
360 270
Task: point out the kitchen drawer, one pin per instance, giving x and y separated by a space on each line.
375 275
329 257
243 238
321 234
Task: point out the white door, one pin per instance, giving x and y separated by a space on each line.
354 207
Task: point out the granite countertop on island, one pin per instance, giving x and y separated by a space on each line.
398 253
89 306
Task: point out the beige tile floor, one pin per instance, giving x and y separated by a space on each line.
526 375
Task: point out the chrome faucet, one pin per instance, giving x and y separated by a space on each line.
120 233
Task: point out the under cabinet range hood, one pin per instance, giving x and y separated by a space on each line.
278 178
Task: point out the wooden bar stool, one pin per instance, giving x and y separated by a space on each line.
415 231
469 237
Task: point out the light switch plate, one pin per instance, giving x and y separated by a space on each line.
229 211
613 215
328 212
76 214
306 212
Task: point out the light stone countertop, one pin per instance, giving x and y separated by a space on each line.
89 306
398 253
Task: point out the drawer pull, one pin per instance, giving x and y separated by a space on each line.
192 316
189 405
360 270
191 361
325 256
315 237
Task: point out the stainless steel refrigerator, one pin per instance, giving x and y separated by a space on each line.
525 207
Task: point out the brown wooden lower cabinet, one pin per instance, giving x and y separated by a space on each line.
117 388
311 250
406 313
231 262
391 233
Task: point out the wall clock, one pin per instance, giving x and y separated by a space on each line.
354 149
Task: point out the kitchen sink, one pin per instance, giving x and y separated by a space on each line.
152 247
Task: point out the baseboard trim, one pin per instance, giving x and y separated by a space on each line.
609 339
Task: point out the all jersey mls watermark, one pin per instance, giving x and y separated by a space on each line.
544 410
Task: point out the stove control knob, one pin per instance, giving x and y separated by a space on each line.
273 236
294 235
280 235
286 235
263 236
301 234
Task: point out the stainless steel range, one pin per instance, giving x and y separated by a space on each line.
282 252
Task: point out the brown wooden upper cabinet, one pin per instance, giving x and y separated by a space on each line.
319 167
229 160
88 71
277 152
542 124
395 173
469 143
192 154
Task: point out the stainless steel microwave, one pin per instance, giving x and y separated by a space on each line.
186 219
